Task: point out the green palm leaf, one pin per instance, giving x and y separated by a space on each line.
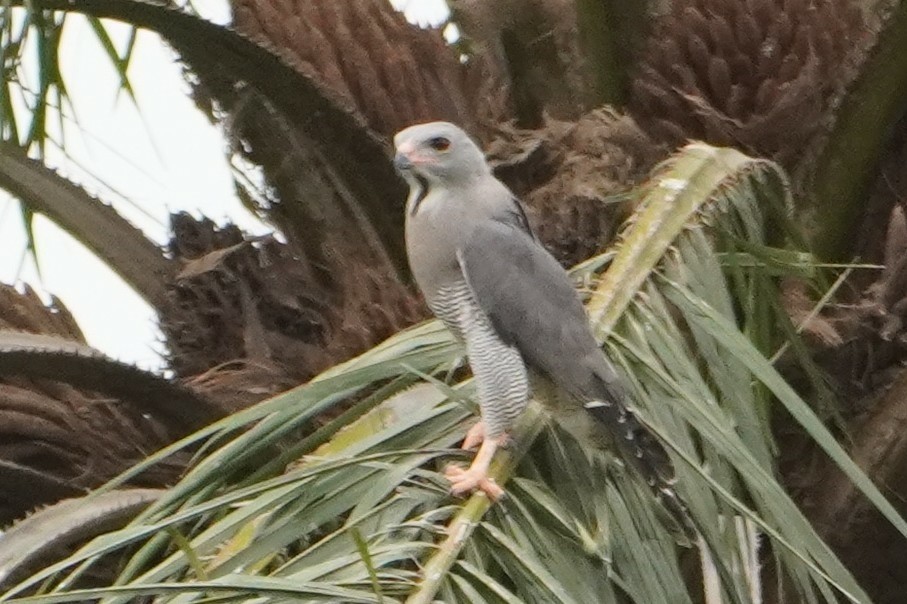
363 515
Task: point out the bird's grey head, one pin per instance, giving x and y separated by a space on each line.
438 153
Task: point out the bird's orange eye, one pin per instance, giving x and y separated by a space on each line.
439 143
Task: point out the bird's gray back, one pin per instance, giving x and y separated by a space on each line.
532 303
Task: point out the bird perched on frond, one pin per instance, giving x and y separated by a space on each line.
486 276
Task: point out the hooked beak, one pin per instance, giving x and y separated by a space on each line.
408 157
402 162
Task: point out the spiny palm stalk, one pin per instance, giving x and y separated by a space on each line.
760 74
357 512
52 532
339 285
71 418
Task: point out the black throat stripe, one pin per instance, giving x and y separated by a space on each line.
423 193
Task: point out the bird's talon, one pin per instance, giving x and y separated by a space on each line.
465 481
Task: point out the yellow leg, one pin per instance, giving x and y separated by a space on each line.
474 436
476 477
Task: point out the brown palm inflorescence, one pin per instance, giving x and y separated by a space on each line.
392 72
758 74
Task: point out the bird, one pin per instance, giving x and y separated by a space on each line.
487 277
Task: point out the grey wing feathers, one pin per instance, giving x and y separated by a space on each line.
529 299
532 304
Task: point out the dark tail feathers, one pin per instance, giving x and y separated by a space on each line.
642 450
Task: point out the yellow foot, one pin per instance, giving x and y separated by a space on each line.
475 436
465 481
476 477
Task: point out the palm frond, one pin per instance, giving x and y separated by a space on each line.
357 159
67 523
123 247
690 329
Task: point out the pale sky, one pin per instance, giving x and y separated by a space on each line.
142 156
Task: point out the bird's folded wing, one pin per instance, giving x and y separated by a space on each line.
527 296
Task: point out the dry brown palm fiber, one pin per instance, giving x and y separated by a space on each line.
572 176
256 307
23 310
